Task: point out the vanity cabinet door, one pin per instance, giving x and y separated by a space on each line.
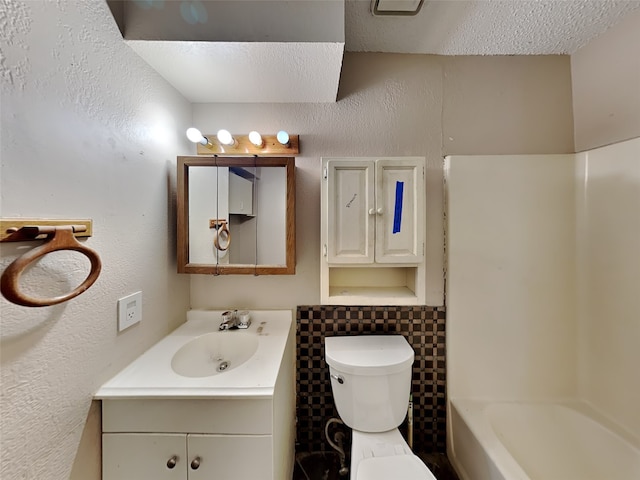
144 456
230 457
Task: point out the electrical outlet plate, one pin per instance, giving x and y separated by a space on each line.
129 310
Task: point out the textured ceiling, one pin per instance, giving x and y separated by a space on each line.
487 27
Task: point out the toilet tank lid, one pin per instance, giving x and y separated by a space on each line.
368 354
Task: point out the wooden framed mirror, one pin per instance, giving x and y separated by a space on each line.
236 215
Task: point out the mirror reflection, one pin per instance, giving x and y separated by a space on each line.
236 215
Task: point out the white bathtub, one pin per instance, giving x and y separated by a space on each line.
538 441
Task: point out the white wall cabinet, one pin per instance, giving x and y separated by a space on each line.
373 231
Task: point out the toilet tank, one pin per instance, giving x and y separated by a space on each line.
370 379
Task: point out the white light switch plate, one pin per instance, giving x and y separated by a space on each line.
129 310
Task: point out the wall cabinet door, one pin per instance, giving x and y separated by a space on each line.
350 211
374 211
144 456
399 211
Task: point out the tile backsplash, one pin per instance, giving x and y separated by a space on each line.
424 329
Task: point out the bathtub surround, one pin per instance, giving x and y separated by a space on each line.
510 276
424 329
608 262
542 283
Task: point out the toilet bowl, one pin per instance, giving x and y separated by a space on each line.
371 383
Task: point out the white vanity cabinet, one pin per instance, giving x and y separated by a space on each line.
373 231
238 424
198 439
140 456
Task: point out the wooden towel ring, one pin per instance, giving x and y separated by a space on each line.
223 228
59 238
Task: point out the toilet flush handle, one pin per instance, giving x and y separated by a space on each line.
338 378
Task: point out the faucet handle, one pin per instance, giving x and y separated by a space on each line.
244 319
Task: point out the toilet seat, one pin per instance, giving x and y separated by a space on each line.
405 467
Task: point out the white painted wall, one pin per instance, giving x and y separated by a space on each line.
88 131
605 77
511 329
397 105
608 239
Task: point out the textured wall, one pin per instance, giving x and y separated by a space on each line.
88 131
606 87
401 105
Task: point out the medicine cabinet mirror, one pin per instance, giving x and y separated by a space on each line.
236 215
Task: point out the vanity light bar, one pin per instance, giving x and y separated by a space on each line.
281 144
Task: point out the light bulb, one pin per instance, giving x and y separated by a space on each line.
283 137
256 139
225 137
195 136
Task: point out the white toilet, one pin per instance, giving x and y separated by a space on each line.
371 382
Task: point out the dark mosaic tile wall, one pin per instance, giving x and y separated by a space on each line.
424 328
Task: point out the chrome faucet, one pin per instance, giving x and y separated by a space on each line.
231 320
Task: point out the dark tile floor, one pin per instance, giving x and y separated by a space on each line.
326 466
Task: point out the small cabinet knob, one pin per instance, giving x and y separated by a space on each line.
195 463
379 211
171 463
372 211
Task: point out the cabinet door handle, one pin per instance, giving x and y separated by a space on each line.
372 211
195 463
172 462
379 211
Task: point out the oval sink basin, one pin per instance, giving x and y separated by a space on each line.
214 353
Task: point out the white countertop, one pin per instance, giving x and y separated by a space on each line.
151 375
